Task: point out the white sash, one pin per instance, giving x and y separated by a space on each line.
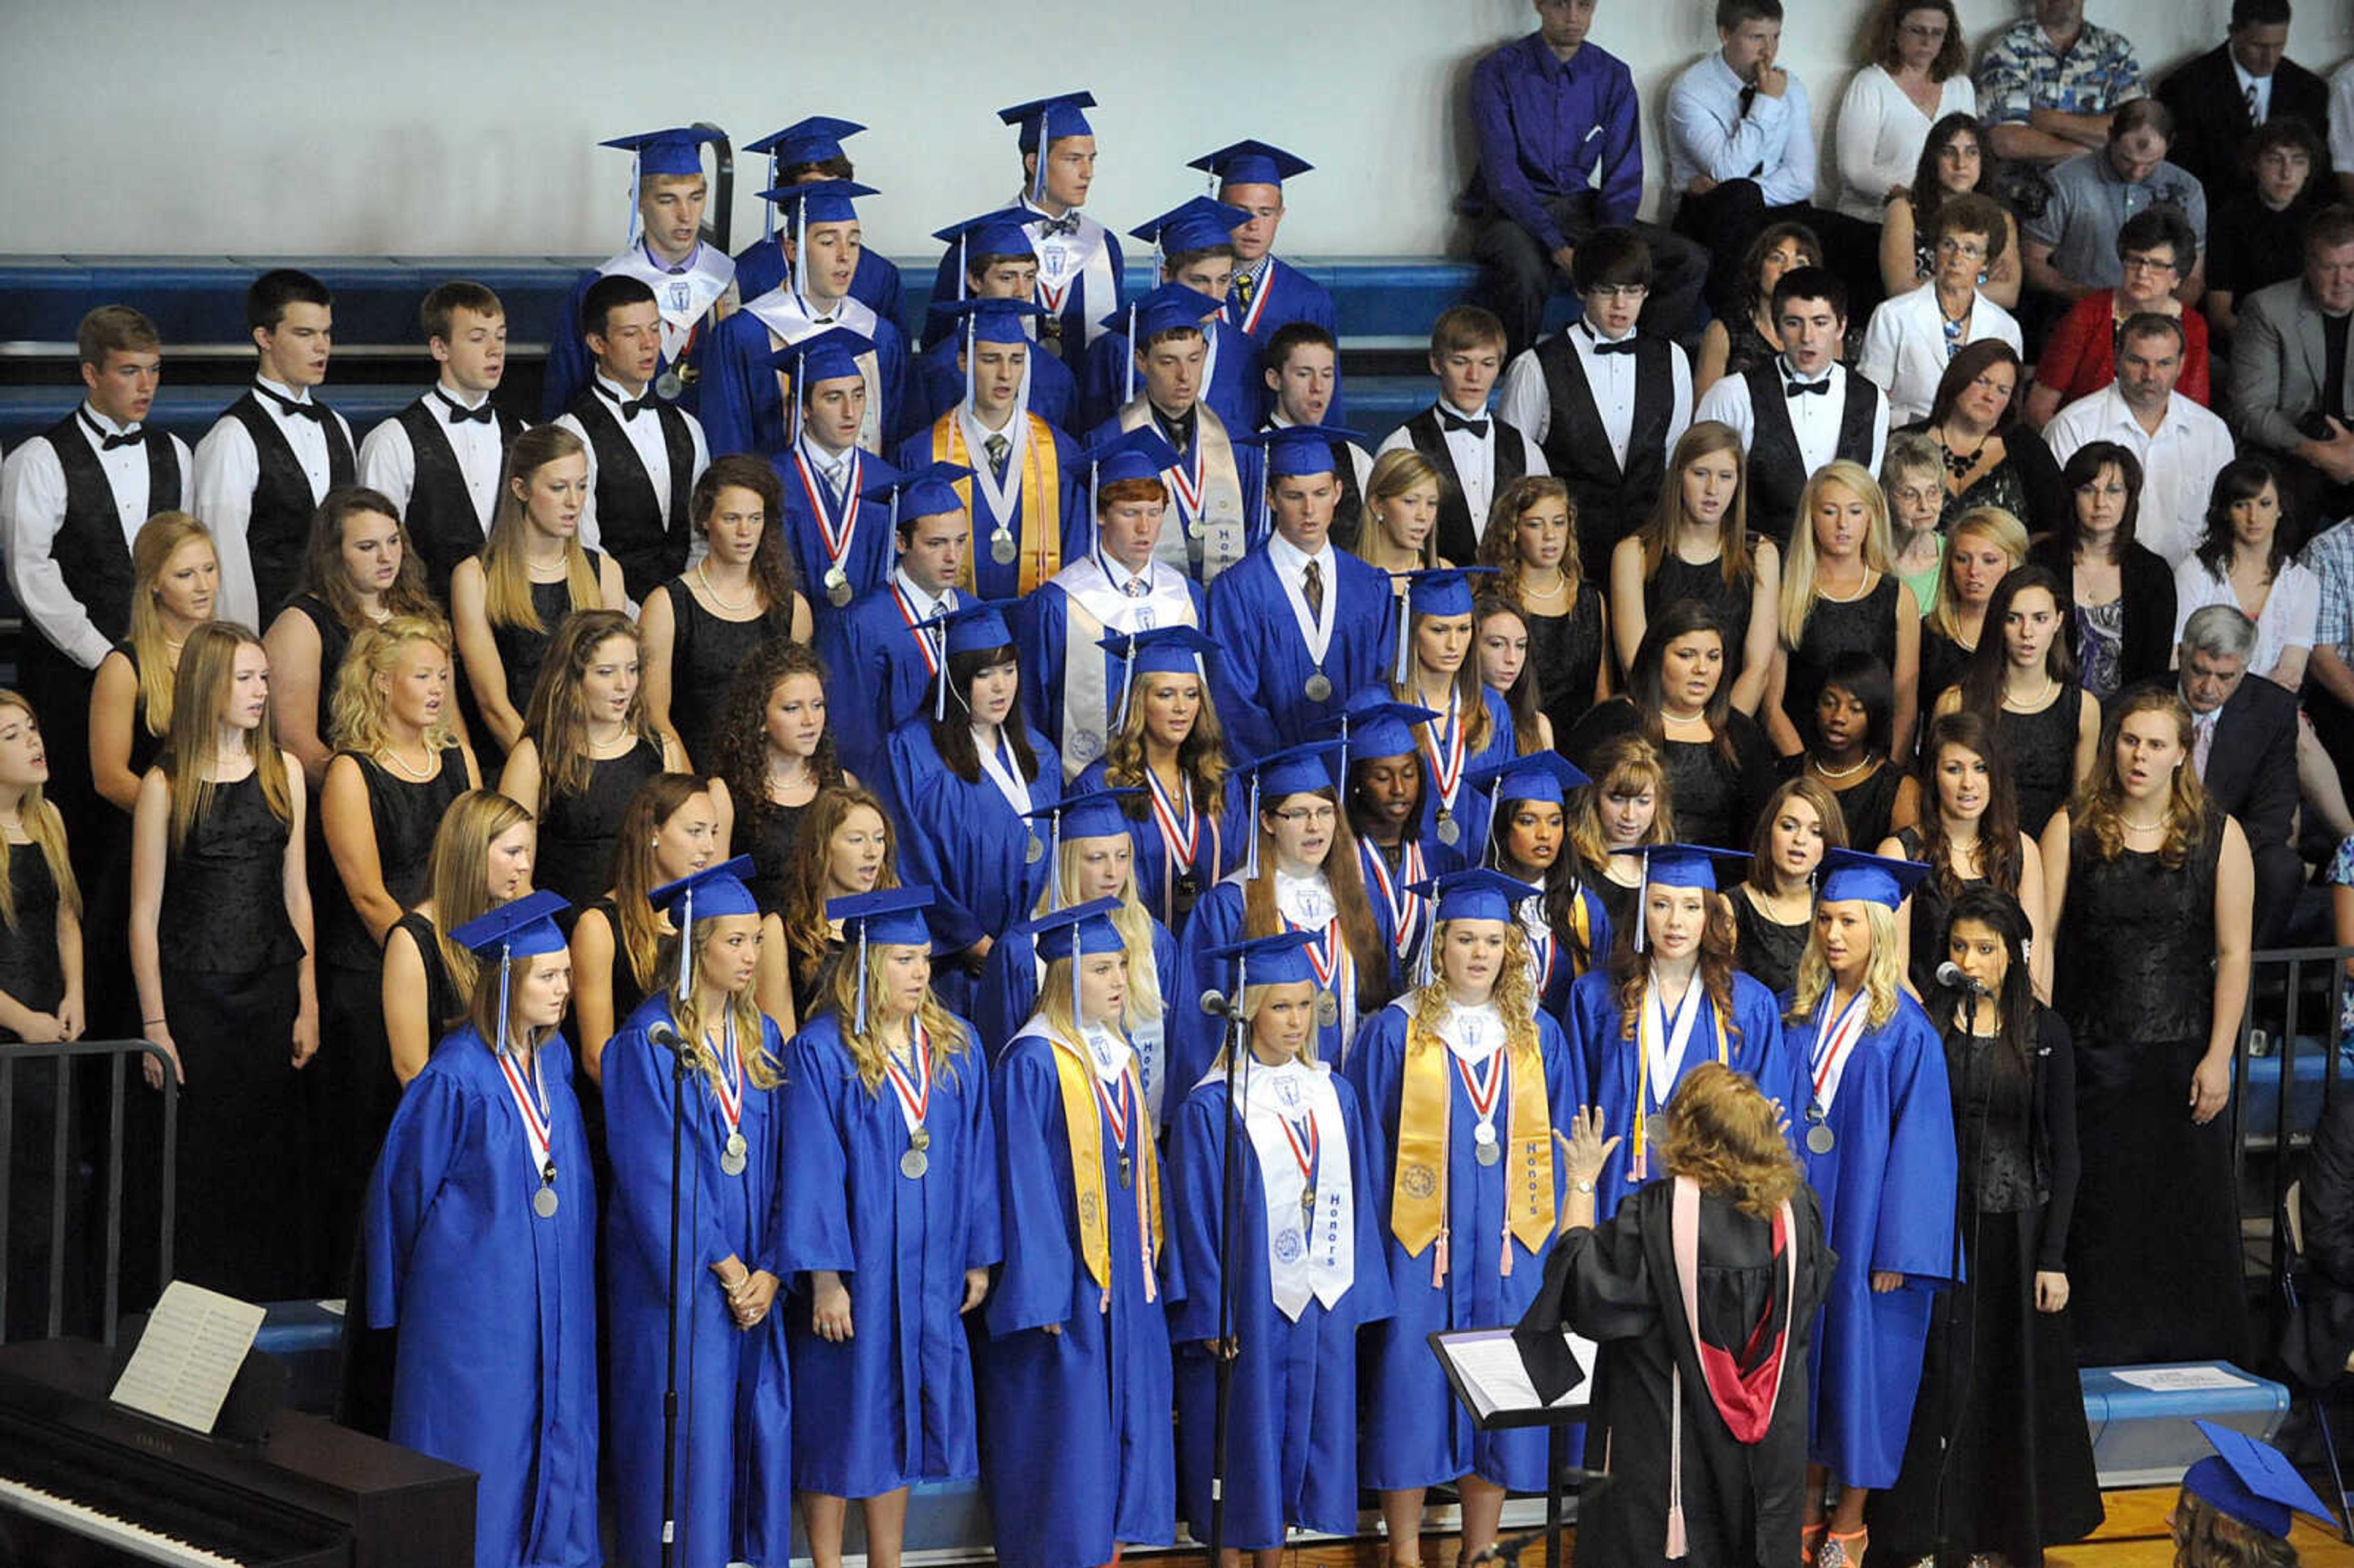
1316 632
1001 498
787 317
1293 1116
682 298
1083 258
1094 605
1665 1042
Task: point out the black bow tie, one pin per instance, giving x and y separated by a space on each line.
1800 388
130 436
461 415
628 411
313 412
1621 346
1451 423
1066 223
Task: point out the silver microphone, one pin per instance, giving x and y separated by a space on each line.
663 1035
1950 976
1215 1004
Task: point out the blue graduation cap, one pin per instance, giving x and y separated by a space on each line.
974 625
1156 651
1280 959
927 492
827 355
1434 591
1249 162
1296 449
994 321
2252 1482
1044 120
1294 770
890 916
1375 727
714 891
1141 453
1542 776
677 151
1165 309
1675 866
1474 893
813 201
1093 814
1000 233
524 927
1876 879
1198 223
1077 931
811 141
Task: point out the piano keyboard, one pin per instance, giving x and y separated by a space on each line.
89 1524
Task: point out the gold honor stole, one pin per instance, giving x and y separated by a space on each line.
1419 1182
1041 478
1074 1076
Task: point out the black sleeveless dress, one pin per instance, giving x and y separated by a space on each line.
774 831
1866 625
1942 660
1866 805
521 650
1617 899
33 975
577 831
1766 950
1931 912
2043 751
1703 581
334 641
229 962
102 862
444 1006
705 652
1566 653
2135 981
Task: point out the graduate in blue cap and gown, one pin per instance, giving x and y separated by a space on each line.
1304 1255
890 1226
1381 793
841 549
480 1237
735 1425
1080 272
1093 860
1299 872
1212 484
745 383
1473 729
1668 1000
994 262
1021 472
691 281
2236 1505
965 778
1194 244
1112 586
801 153
1303 625
1190 819
884 649
1266 293
1567 927
1075 1385
1869 1103
1462 1081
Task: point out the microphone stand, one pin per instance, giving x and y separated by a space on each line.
684 1057
1226 1350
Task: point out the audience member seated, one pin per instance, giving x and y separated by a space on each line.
1560 154
1732 345
2243 83
1741 147
2070 247
1954 162
1914 336
2079 357
2258 223
1604 404
2329 672
1918 76
1992 458
1913 477
2181 445
2120 600
2048 84
2278 403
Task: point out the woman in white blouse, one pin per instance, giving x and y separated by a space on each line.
1913 337
1918 75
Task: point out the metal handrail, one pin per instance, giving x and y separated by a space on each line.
719 214
120 1052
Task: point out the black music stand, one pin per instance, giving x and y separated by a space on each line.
1497 1408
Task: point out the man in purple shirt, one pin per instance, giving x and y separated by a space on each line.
1550 108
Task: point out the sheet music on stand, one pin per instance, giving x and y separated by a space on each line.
195 1342
1485 1368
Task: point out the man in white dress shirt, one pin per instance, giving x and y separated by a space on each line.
1802 408
265 465
1300 367
1475 452
2182 447
438 460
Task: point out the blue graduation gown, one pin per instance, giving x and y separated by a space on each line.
1043 631
876 663
1194 1038
1285 295
1473 808
735 1420
895 1401
1079 312
1417 1434
1221 847
511 1393
1103 379
873 552
1259 683
1753 1037
1082 1416
1250 477
1556 963
937 385
1887 1191
1292 1454
964 841
743 409
1008 994
992 580
760 267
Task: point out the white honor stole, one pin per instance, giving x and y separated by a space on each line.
787 320
1093 607
1293 1116
1081 258
682 298
1204 531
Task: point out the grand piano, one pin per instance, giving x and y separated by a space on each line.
83 1481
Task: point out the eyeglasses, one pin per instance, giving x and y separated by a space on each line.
2148 264
1311 816
1967 249
1615 292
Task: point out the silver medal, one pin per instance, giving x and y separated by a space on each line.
736 1144
669 385
914 1163
731 1162
1196 528
1328 1008
1484 1135
1655 1127
1001 547
543 1202
1450 832
1820 1138
1035 851
1319 688
1487 1153
837 587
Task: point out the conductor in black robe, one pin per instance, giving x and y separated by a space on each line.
1701 1292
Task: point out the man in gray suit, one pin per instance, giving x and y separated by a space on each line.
2289 386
